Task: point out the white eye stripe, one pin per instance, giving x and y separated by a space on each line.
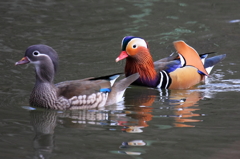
37 53
37 62
138 42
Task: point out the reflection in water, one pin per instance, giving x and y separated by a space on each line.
44 123
138 111
134 143
181 105
134 147
184 110
139 105
84 118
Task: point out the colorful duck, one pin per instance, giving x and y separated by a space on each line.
180 71
76 94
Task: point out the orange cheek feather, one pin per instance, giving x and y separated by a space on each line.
132 51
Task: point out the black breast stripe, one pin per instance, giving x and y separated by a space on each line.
165 80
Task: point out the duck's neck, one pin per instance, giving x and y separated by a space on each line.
143 64
44 74
44 93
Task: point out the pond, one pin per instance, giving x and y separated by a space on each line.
201 122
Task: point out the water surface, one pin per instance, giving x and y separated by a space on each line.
202 122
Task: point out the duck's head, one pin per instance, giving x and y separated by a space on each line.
139 59
40 55
45 60
131 47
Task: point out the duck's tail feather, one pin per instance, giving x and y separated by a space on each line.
119 88
203 56
212 61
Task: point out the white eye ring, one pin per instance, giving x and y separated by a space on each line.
36 53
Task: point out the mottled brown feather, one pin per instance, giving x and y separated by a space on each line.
69 89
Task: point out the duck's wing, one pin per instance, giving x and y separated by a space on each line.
86 86
168 64
94 92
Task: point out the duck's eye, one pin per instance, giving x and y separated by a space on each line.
35 53
134 46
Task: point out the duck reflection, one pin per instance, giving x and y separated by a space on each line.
138 109
180 105
141 105
44 123
184 111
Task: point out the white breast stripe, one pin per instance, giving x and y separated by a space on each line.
161 80
164 80
167 78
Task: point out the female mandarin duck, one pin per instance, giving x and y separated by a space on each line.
183 71
76 94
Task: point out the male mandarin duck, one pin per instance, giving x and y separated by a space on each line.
183 71
75 94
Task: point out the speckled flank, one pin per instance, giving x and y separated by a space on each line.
92 101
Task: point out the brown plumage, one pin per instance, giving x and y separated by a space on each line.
76 94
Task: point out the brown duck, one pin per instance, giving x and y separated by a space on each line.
76 94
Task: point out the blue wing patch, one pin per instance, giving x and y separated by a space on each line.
105 90
172 66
